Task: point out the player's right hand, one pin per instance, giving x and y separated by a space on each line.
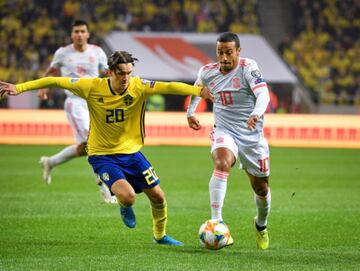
42 94
194 123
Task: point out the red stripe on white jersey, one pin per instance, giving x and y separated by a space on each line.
259 86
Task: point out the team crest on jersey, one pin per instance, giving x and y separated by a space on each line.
150 82
236 82
74 80
105 176
128 100
100 100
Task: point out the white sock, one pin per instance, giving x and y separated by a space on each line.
217 188
263 205
64 155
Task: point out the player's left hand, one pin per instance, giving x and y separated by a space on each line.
251 123
7 88
207 95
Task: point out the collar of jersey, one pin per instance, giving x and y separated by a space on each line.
112 91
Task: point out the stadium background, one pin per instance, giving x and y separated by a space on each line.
314 40
318 40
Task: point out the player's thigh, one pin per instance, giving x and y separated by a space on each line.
255 159
107 169
78 115
221 139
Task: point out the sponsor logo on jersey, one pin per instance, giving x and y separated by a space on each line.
74 80
128 100
150 82
105 176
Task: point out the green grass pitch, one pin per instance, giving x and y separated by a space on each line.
314 223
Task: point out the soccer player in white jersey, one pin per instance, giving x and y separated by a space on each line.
79 59
117 114
241 98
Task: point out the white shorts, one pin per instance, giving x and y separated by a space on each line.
255 159
77 113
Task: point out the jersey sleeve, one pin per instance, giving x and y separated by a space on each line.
194 102
254 77
199 80
103 66
58 58
259 88
175 88
79 86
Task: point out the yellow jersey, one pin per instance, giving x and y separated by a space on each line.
116 120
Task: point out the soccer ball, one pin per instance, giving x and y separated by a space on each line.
214 234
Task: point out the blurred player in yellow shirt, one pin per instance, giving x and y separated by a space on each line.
117 110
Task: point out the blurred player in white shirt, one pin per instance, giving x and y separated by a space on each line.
241 98
79 59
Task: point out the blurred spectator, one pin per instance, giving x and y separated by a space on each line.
30 34
155 103
274 102
325 45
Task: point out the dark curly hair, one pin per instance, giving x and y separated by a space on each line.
120 57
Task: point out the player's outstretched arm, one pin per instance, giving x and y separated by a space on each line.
181 89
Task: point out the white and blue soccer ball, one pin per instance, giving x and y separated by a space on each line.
214 234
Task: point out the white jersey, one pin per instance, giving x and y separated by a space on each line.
235 98
73 63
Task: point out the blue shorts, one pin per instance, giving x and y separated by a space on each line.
132 167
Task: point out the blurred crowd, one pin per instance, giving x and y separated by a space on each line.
31 31
325 49
322 51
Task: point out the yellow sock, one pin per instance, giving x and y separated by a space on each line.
159 213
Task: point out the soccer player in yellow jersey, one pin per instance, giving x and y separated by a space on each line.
117 109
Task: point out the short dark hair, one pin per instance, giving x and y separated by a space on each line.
229 37
120 57
79 22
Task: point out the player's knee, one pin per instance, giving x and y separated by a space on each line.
156 195
158 198
261 190
223 165
126 199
